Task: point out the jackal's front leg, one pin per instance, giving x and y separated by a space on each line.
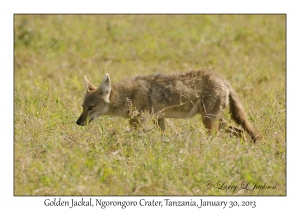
161 124
134 123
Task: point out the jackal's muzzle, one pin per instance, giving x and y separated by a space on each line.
82 120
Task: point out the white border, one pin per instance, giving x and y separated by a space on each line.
113 6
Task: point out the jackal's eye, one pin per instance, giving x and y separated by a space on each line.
90 108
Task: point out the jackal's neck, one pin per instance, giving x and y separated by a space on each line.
120 97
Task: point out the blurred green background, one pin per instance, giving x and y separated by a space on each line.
54 156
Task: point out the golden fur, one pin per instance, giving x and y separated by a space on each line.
180 95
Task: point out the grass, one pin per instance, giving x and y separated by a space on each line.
54 156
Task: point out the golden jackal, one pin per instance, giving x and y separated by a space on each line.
167 96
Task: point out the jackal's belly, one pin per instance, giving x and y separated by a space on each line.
179 112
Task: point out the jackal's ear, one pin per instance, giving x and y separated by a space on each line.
105 87
89 86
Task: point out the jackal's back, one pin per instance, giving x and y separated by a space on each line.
159 91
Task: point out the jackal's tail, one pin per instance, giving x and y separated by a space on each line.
239 116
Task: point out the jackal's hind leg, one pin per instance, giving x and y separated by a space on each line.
232 130
210 123
210 117
212 113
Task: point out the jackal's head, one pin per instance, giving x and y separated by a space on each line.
96 100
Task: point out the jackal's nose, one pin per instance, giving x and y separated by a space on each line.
79 122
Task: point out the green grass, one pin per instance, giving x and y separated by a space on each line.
54 156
